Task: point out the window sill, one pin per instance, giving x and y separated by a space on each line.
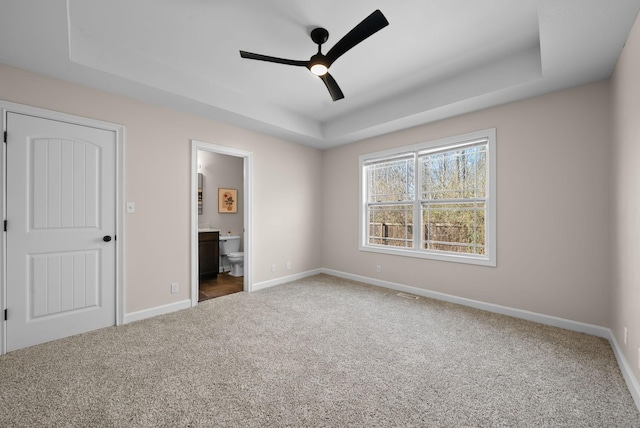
439 256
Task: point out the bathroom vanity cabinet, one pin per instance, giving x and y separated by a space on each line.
208 253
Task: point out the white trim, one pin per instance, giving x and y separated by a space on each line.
248 208
3 243
625 368
431 255
489 259
158 310
6 106
576 326
273 282
121 236
591 329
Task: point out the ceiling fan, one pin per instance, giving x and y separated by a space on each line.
319 63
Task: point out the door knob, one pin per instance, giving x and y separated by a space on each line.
106 238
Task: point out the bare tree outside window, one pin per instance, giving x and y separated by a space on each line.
391 194
453 205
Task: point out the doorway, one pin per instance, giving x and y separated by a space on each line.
60 201
205 218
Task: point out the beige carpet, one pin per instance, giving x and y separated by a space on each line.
319 352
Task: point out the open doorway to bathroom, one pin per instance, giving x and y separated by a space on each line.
221 212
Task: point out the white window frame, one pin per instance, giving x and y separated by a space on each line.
489 258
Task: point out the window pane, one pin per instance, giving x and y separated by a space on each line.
391 225
454 227
391 181
459 173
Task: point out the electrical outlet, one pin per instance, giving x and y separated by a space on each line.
273 268
288 265
626 336
378 268
174 287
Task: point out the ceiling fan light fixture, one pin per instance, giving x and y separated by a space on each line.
319 69
318 64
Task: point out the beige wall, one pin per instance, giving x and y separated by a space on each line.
286 181
554 216
626 107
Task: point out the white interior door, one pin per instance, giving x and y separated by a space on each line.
61 225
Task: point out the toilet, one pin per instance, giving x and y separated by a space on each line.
230 250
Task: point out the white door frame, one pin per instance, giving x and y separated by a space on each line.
247 200
6 106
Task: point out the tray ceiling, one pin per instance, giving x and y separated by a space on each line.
436 59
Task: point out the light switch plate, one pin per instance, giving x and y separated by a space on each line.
131 207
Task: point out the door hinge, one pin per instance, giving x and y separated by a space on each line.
5 136
5 225
5 314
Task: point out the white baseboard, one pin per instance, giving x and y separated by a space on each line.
594 330
625 368
158 310
185 304
591 329
282 280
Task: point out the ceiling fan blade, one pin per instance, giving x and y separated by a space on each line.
259 57
332 86
370 25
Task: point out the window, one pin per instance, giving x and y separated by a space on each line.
432 200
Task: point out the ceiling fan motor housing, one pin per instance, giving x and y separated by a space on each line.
319 36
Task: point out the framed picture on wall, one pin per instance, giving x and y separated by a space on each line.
227 200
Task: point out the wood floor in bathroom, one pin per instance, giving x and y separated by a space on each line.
221 286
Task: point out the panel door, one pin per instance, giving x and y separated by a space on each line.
61 184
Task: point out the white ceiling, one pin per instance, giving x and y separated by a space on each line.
436 59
